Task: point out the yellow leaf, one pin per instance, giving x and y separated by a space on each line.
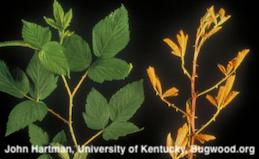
176 51
172 92
170 143
222 69
214 30
222 13
182 136
154 80
240 57
230 66
204 137
229 98
229 84
220 95
212 14
211 100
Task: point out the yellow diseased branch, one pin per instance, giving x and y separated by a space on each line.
177 109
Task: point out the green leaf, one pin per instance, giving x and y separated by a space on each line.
44 81
53 58
111 34
97 112
25 114
58 13
35 35
67 19
64 153
45 156
79 155
125 102
38 136
119 129
17 87
60 138
51 22
77 52
109 69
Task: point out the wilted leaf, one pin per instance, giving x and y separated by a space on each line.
211 99
182 136
154 80
172 92
204 137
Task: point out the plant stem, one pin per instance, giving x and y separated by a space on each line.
66 85
79 84
216 85
49 110
58 116
92 138
184 69
173 106
17 43
212 119
70 116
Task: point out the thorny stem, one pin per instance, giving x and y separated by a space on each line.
173 106
92 138
71 95
70 116
212 119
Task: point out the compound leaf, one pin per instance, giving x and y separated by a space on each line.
111 34
97 112
109 69
17 87
24 114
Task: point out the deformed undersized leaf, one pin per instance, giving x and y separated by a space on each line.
38 136
24 114
53 58
77 52
18 87
97 110
111 34
125 102
44 81
118 129
35 34
109 69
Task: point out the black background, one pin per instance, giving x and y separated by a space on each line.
150 22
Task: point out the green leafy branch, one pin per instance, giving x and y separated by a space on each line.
57 58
